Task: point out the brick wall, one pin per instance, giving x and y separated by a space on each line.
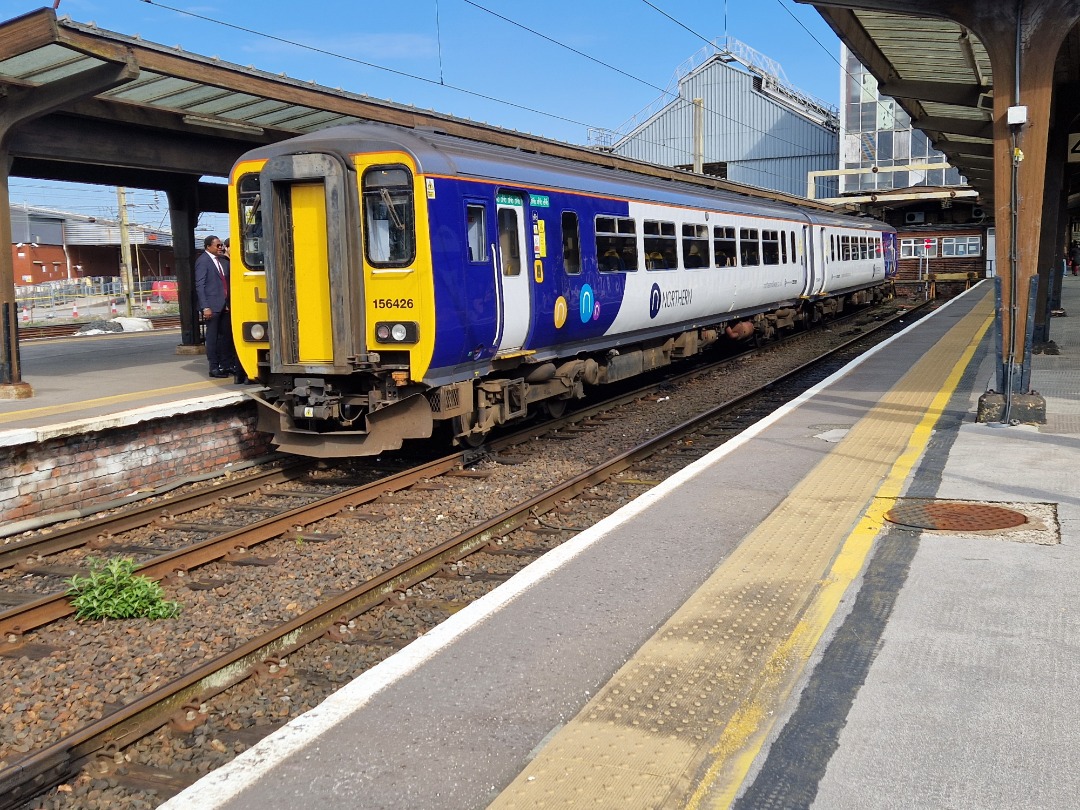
82 471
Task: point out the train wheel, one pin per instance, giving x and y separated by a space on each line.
554 408
462 427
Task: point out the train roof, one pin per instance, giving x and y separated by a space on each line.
437 153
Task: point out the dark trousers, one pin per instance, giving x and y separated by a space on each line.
219 343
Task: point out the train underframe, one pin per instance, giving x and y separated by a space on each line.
373 411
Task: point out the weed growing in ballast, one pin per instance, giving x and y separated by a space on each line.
114 591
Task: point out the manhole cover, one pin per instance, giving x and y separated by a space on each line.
955 517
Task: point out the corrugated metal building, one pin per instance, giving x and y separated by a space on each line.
758 129
53 246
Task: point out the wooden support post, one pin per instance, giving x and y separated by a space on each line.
183 214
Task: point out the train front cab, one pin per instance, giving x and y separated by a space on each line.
334 317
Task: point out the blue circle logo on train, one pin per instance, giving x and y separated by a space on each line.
587 303
655 300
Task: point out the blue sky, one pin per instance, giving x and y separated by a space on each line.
470 58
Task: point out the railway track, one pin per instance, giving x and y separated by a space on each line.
68 329
491 549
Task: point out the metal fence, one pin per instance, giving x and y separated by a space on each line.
101 296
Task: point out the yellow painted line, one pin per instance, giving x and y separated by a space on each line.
87 404
751 727
682 721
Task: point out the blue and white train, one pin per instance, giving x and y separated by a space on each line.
391 279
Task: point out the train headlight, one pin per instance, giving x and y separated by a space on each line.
397 332
254 331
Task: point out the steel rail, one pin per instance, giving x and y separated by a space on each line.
55 330
138 516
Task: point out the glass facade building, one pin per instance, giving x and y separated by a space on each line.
876 132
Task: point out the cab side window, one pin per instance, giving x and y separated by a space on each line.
389 217
476 232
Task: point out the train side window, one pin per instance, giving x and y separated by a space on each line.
571 243
389 217
845 248
476 232
770 247
750 250
695 245
783 247
832 247
794 255
616 244
725 249
660 245
509 246
250 208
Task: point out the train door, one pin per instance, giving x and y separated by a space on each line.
817 257
305 239
515 311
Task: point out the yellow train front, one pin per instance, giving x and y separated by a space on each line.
336 320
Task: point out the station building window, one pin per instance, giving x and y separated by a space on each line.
961 245
725 248
660 245
917 248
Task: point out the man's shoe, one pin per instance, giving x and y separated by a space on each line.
240 377
217 372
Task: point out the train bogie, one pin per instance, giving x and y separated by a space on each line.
391 280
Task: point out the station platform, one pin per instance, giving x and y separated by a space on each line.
753 632
88 383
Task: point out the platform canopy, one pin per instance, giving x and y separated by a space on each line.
939 73
994 85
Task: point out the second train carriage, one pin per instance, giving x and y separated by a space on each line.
390 279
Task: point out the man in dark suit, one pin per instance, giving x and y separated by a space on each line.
212 291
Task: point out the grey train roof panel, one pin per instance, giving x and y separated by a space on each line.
441 154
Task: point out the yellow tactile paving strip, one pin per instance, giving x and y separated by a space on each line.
680 723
